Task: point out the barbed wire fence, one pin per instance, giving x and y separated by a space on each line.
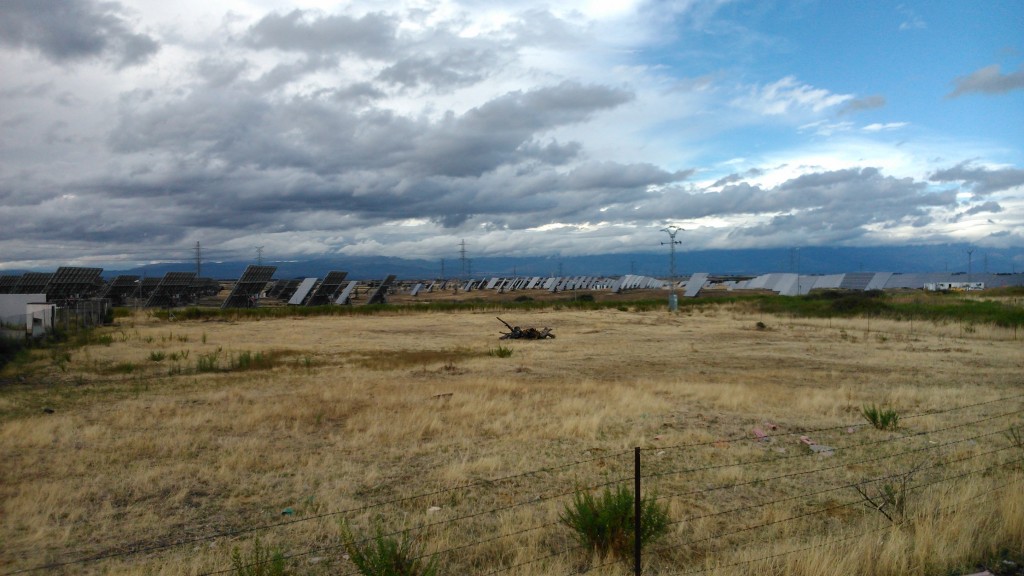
785 492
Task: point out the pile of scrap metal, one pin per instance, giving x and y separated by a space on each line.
516 333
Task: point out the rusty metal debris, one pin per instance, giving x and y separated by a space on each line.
517 333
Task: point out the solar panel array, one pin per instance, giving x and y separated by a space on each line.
68 282
32 283
246 291
328 290
172 290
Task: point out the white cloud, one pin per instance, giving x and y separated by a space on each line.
884 127
788 96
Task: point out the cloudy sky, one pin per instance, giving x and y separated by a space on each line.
131 130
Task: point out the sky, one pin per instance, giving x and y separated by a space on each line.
131 131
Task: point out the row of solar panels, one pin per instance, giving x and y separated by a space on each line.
176 288
552 284
794 284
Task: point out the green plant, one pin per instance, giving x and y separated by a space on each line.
261 561
207 362
605 524
500 352
252 361
157 355
386 555
881 418
124 368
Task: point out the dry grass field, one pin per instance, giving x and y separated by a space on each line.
163 445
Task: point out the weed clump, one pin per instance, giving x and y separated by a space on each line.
881 418
500 352
605 524
385 555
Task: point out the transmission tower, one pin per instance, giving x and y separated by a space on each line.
199 260
673 301
259 255
462 256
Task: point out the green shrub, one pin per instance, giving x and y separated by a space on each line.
207 363
388 556
882 419
605 524
500 352
157 355
262 561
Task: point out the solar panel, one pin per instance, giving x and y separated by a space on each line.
301 292
285 289
378 295
120 288
172 290
696 282
492 282
346 294
878 281
149 284
829 281
245 293
68 282
32 283
8 282
416 289
856 280
328 290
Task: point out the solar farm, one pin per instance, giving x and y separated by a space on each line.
310 418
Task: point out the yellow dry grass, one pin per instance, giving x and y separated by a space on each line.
149 454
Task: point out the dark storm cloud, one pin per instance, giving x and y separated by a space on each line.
492 134
828 206
988 80
240 127
981 181
65 31
989 206
372 36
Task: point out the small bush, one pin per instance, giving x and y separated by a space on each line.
605 524
262 561
882 419
157 355
388 556
500 352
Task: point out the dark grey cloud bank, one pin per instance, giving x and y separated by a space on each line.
66 31
240 148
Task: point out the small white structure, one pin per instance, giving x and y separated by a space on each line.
20 314
954 286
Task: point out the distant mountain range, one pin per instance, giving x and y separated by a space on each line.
813 260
